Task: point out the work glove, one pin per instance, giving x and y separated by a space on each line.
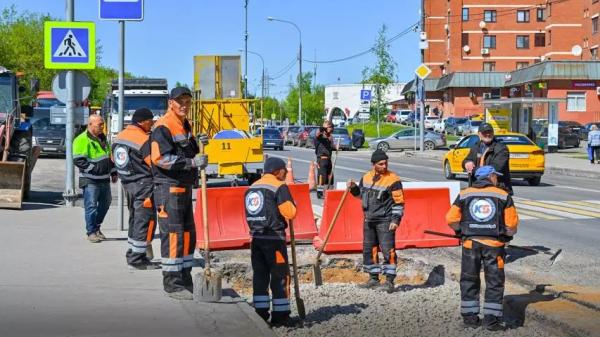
200 161
202 138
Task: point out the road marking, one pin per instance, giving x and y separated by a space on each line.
534 215
556 210
577 188
575 206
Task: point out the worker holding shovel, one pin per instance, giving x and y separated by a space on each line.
269 206
383 205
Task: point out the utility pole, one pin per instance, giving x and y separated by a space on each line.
422 103
246 51
121 107
69 194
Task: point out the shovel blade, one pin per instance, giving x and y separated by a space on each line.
207 288
301 309
317 276
556 257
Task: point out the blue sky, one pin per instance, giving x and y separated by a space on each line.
173 31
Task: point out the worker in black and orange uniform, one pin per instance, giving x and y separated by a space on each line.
383 206
175 164
324 150
269 206
485 217
131 153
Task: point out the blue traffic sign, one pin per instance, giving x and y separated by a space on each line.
365 95
69 45
122 10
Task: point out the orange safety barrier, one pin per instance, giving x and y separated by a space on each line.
227 226
425 208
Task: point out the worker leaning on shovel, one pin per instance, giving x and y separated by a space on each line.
269 206
485 217
383 205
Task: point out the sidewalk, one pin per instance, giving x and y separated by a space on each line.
55 283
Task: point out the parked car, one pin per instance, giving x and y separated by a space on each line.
452 124
575 127
292 135
310 140
439 126
391 117
527 160
405 139
402 116
470 127
430 121
272 138
566 137
413 118
302 134
341 135
587 128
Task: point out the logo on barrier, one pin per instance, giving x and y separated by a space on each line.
121 156
482 209
254 202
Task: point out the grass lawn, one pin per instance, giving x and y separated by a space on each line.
370 129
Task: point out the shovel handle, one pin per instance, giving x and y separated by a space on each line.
330 229
295 265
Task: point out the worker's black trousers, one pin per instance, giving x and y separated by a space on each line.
377 235
470 283
142 219
271 269
323 173
177 235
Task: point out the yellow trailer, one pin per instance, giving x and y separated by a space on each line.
219 111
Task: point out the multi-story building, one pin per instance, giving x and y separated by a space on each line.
476 47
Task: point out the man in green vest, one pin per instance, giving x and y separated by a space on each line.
91 154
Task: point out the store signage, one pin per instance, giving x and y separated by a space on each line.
583 84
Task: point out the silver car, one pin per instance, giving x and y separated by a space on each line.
405 139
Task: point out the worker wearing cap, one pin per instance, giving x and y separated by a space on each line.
269 206
383 206
175 164
324 150
131 153
485 217
489 151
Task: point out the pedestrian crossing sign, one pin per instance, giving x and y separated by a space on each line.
69 45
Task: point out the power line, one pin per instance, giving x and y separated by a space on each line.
285 70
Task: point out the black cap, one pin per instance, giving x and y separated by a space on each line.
378 155
273 164
486 127
178 91
142 114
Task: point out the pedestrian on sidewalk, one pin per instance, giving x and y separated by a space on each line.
91 154
489 151
383 206
324 150
131 153
175 163
485 217
269 206
594 143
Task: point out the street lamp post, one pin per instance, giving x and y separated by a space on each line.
270 18
262 60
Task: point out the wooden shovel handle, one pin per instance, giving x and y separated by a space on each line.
330 229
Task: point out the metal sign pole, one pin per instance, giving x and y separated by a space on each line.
69 194
121 107
422 117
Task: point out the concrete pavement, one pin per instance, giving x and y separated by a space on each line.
56 283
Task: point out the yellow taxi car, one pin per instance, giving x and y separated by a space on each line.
526 161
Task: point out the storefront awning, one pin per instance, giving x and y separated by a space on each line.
430 85
555 70
531 100
472 80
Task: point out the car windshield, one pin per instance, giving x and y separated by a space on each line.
514 140
460 120
476 123
154 103
340 131
47 102
44 125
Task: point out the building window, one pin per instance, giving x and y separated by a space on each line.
522 65
489 41
522 41
595 25
594 52
540 40
464 39
489 16
489 66
465 14
576 101
523 16
541 12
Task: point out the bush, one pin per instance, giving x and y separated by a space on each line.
370 129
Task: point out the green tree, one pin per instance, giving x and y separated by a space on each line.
382 73
313 101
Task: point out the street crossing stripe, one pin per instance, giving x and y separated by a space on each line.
534 215
576 206
590 203
566 212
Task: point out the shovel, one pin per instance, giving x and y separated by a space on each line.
317 265
299 301
208 285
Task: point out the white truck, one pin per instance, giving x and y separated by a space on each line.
151 93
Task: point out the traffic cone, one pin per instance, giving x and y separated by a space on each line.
312 179
289 177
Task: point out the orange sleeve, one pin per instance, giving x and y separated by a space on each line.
147 160
453 216
288 210
155 153
511 220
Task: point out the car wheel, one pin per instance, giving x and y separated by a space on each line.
383 146
534 181
447 171
429 145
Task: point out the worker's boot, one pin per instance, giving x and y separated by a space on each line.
493 323
100 235
471 321
319 192
181 295
372 283
145 264
388 286
93 238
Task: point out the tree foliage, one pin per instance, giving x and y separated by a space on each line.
313 101
383 72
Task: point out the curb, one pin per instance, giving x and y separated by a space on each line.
260 324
